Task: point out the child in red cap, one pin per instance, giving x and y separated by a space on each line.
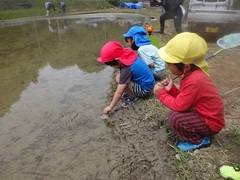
135 78
197 110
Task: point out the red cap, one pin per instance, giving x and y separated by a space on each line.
113 50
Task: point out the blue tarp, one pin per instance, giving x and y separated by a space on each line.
130 5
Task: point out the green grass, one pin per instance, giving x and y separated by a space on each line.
21 13
155 40
38 8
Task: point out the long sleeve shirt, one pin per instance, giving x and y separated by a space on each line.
196 91
171 6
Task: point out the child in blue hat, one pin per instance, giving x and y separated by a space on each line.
136 38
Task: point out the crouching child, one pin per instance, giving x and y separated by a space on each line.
135 80
197 110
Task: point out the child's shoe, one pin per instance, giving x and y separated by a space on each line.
128 101
230 172
125 95
188 146
161 31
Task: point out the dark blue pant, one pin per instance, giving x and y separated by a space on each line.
63 7
50 6
176 18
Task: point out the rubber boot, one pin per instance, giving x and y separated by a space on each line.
161 31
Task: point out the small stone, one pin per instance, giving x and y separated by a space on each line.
105 116
177 156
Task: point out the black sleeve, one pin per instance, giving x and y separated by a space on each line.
164 4
157 3
174 4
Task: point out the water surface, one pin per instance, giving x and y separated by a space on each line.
52 93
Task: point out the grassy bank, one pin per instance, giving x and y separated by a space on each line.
38 8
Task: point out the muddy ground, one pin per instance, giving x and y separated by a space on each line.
147 146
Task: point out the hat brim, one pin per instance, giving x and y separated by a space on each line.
100 60
201 63
127 58
164 56
127 35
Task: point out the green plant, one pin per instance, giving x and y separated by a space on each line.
181 157
156 110
155 40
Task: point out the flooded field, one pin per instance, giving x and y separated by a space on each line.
52 94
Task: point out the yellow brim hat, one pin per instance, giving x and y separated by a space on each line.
186 48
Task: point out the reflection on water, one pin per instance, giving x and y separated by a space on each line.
60 25
53 91
71 41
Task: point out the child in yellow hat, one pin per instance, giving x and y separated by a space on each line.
197 110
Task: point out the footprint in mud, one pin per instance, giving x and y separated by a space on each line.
67 120
141 150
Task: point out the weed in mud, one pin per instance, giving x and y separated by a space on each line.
233 134
181 157
155 109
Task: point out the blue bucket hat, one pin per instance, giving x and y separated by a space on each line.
138 33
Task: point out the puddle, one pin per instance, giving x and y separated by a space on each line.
52 94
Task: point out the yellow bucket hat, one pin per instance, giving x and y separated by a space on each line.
186 48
